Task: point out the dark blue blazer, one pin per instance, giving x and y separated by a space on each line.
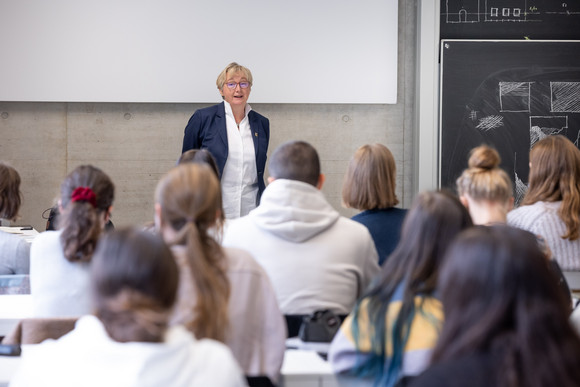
206 129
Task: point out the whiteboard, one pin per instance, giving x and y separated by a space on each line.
299 51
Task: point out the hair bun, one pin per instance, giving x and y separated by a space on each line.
484 157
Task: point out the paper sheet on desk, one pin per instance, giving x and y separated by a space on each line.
24 232
297 361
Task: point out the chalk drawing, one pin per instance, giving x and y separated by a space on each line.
520 187
565 97
462 11
514 96
490 122
544 126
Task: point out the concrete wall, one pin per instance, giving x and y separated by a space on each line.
136 143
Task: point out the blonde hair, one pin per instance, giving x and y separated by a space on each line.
555 176
190 200
484 179
370 179
233 68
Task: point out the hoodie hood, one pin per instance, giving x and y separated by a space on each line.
294 211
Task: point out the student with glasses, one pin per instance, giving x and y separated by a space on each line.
237 137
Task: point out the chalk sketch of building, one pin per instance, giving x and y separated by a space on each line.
565 97
514 96
544 126
462 11
506 10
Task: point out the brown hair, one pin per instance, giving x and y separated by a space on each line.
370 179
134 282
10 196
201 156
233 68
484 179
190 200
554 176
80 221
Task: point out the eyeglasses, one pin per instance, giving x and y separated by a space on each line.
243 85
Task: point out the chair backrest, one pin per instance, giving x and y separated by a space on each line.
36 330
259 381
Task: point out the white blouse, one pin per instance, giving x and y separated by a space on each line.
239 179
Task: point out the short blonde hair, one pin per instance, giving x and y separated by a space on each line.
484 179
370 179
233 68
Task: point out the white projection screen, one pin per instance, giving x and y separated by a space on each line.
299 51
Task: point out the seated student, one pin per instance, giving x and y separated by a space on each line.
395 325
14 251
506 323
369 185
223 294
551 207
315 258
60 260
127 343
486 190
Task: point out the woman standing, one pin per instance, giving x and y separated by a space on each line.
237 137
60 260
551 207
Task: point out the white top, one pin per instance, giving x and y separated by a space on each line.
59 288
14 254
315 258
257 330
239 179
542 218
88 357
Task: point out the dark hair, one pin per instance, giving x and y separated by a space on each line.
432 222
79 221
499 296
201 156
190 200
555 176
10 196
370 179
134 281
295 160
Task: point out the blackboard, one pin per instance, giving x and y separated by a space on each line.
510 19
507 94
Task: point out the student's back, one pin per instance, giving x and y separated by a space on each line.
316 258
127 343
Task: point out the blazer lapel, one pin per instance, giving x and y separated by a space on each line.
220 122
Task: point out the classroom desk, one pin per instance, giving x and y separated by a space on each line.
13 308
300 369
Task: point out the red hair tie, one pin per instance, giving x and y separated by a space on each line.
84 194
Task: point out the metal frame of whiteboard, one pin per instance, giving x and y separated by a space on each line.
427 101
441 80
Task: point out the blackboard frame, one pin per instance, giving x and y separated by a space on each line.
532 71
